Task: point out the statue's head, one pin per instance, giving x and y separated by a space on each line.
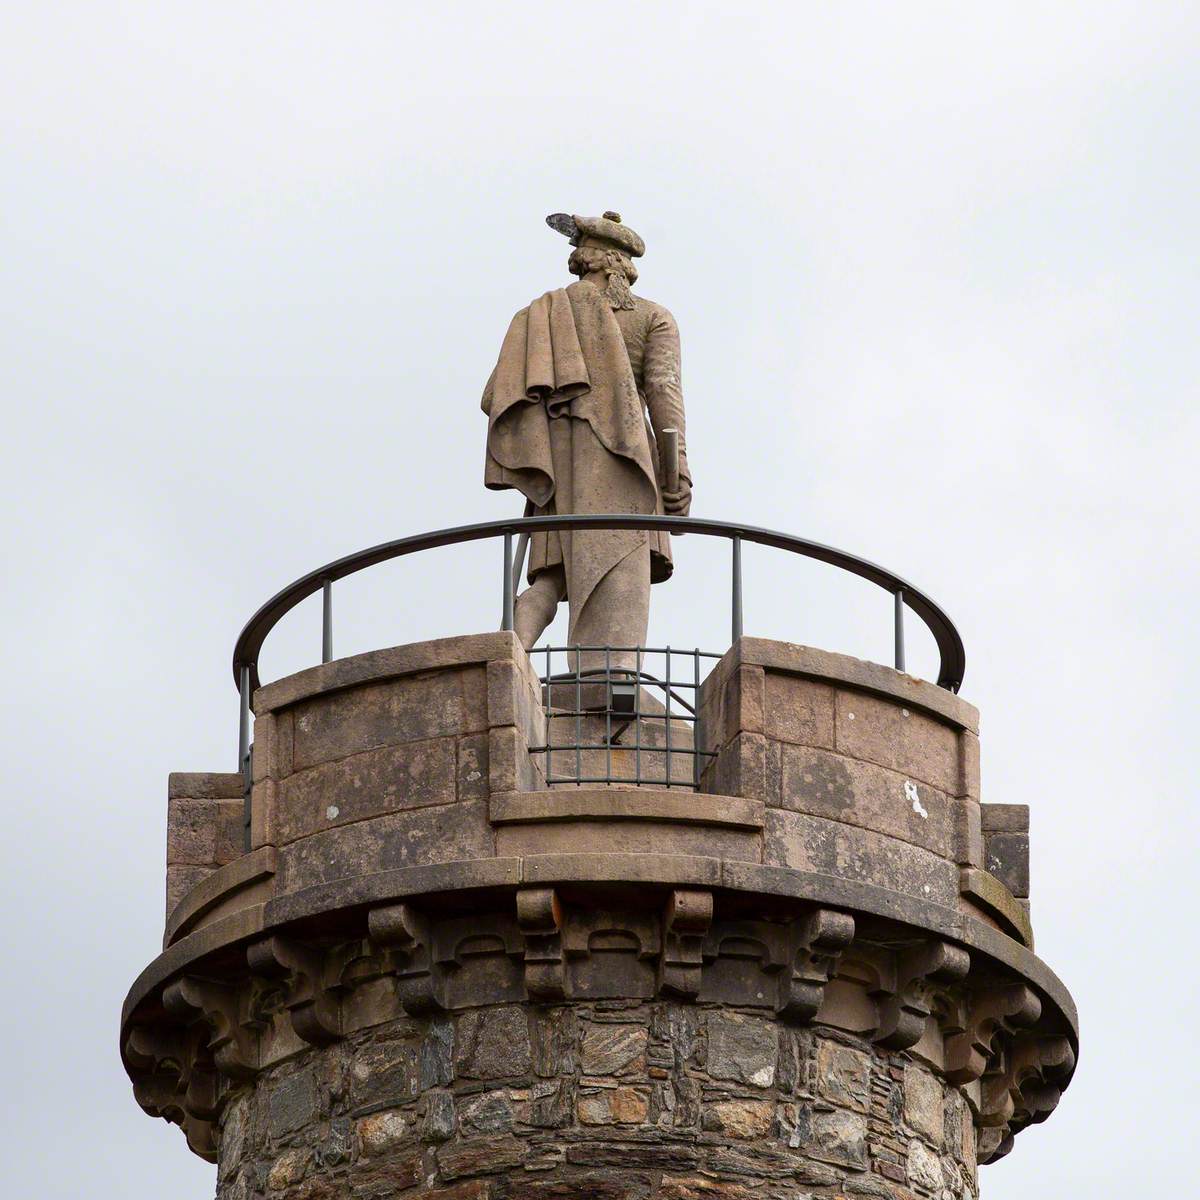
602 245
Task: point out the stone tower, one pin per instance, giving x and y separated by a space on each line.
412 955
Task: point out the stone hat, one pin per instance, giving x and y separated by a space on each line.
607 228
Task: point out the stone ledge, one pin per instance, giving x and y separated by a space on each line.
376 665
629 804
219 888
995 899
354 895
204 785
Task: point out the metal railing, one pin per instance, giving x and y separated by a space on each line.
952 656
620 734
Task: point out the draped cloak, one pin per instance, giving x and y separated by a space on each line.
566 427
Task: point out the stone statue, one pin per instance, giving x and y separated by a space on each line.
587 382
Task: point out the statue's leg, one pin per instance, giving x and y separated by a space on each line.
536 606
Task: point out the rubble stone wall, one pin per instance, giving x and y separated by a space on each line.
614 1100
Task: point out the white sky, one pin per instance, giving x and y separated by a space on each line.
936 272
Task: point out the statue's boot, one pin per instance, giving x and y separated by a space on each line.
536 606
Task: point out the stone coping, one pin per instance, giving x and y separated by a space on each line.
847 671
440 653
218 887
993 897
350 896
629 804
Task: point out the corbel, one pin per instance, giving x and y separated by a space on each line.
906 999
821 937
992 1145
404 933
233 1046
540 918
313 1007
1039 1070
986 1015
686 922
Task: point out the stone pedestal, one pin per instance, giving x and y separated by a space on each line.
431 975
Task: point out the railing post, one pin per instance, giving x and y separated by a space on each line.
899 622
244 750
327 621
737 588
506 621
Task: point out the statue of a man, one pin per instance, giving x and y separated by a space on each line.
587 381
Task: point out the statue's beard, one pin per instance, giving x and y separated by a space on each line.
617 292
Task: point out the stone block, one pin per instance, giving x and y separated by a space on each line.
293 1102
479 1156
493 1043
740 768
742 1049
411 708
445 833
489 1112
844 1075
924 1105
204 785
1005 818
288 1169
807 843
181 880
861 793
438 1121
924 1167
798 710
613 1049
837 1137
382 1132
1006 855
739 1118
612 1105
473 767
191 832
886 733
385 1074
968 764
388 779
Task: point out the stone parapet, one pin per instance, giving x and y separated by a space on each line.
418 906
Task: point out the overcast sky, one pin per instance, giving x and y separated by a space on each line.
936 272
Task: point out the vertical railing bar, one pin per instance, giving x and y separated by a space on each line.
696 721
668 690
549 701
608 716
637 724
506 619
578 716
899 624
327 621
244 750
737 589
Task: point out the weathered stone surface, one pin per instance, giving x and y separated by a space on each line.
439 1121
385 1073
387 779
479 1156
491 1112
740 1118
1006 855
382 1131
427 835
613 1049
612 1105
924 1167
844 1076
837 1137
293 1102
813 844
839 788
798 710
880 731
493 1043
741 1048
924 1107
410 709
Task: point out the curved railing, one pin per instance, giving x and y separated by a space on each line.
250 642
